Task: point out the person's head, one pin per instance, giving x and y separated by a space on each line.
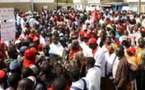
126 43
22 50
75 45
40 86
25 84
14 66
120 51
112 33
55 37
35 69
86 37
43 65
12 52
142 32
14 79
92 43
110 49
90 62
30 54
75 73
58 69
131 51
141 42
59 84
27 72
108 40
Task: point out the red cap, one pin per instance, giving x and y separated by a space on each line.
35 38
86 35
81 33
27 53
27 63
30 53
131 50
142 29
2 74
33 50
92 41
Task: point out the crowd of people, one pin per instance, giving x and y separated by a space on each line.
67 49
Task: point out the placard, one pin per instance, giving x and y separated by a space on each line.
7 24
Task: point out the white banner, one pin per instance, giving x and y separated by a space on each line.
7 24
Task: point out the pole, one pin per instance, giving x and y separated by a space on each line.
32 5
56 4
139 6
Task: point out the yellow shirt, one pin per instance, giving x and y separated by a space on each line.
139 53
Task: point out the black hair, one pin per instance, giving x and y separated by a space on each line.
141 42
126 43
90 62
25 84
120 51
59 84
27 72
14 79
12 52
75 73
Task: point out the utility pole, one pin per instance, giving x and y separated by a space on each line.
32 5
139 6
56 4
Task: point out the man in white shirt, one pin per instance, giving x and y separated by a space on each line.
86 49
114 67
100 59
56 47
77 83
93 75
110 58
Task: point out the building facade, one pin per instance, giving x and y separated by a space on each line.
115 4
27 4
136 5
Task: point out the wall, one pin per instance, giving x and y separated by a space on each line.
22 6
28 6
20 1
134 0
